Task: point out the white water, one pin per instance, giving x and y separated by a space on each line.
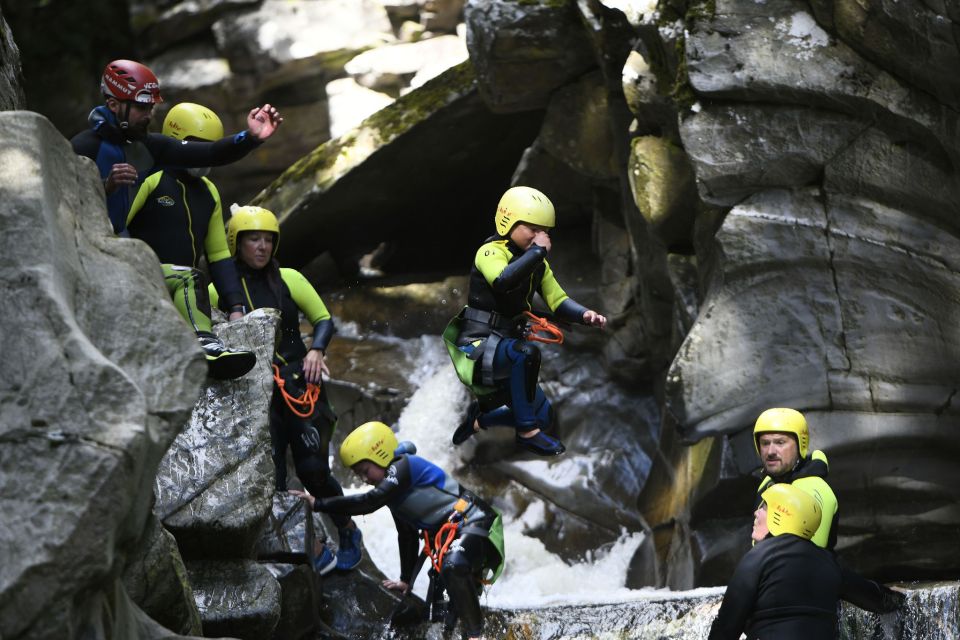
533 577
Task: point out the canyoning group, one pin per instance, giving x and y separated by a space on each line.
156 190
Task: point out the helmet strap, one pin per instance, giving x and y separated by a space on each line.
123 122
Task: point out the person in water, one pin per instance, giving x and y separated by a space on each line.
487 339
464 532
125 152
303 422
782 441
786 587
179 214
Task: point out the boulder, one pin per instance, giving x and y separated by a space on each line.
301 35
11 75
576 128
523 51
158 25
833 304
662 181
390 69
299 601
917 43
362 189
442 16
236 598
156 580
738 53
350 103
86 410
215 484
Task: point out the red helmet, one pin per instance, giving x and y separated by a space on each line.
129 80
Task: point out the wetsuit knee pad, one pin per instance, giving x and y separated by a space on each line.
531 367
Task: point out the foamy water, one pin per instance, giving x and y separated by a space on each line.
533 577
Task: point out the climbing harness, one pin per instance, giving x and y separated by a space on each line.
539 326
444 536
308 399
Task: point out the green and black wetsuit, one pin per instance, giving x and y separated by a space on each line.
309 438
810 476
181 218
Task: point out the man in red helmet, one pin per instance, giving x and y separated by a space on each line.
125 152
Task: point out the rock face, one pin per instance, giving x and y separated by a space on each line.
445 116
11 81
826 285
80 394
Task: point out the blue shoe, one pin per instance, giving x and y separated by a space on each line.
324 562
541 444
349 553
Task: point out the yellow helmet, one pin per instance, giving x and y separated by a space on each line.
373 441
783 421
791 510
250 218
189 120
524 204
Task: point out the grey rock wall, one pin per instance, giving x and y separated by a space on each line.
86 411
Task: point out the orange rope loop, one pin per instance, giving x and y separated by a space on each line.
542 330
307 400
441 542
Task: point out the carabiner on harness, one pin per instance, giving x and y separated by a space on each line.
308 401
445 535
539 326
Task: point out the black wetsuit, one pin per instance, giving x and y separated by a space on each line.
788 588
422 497
308 438
106 144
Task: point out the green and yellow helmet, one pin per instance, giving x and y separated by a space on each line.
189 120
250 218
524 204
373 441
781 420
791 510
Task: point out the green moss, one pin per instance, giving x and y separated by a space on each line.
326 164
702 10
681 92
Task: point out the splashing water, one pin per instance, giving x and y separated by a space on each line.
533 577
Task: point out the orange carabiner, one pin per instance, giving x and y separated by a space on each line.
308 399
537 325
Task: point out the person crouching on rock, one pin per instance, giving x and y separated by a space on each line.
489 340
301 416
463 534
